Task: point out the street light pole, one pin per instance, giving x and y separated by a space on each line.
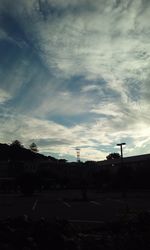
121 144
124 190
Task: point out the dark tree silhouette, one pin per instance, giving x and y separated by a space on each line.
33 147
113 156
16 143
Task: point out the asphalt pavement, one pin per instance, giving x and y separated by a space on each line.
68 204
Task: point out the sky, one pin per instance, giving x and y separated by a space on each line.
75 74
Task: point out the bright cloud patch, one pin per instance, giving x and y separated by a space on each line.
4 96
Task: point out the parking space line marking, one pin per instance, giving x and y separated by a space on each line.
35 204
95 203
67 204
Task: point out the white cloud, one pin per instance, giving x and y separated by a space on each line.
92 138
4 96
90 87
107 109
68 40
64 103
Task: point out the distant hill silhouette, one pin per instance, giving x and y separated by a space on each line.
17 153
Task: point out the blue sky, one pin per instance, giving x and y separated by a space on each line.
75 73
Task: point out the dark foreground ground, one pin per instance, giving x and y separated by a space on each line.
63 220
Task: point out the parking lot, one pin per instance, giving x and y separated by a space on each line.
69 204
